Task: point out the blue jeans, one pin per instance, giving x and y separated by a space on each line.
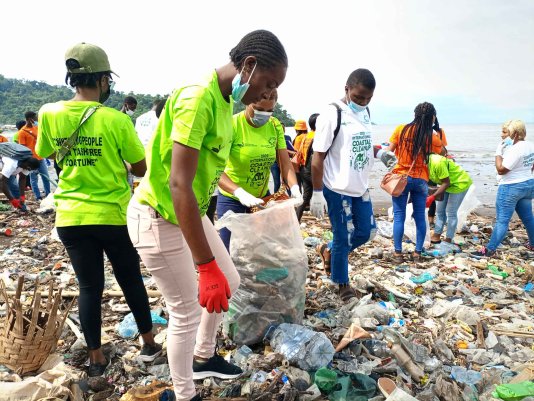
225 203
275 171
353 224
512 197
43 170
447 212
13 185
417 188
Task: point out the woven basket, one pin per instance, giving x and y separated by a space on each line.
29 332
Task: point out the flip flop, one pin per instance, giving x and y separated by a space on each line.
346 293
321 251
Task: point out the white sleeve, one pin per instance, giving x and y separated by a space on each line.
511 157
324 133
10 167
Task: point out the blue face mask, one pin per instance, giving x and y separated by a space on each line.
508 141
35 124
239 89
260 118
355 107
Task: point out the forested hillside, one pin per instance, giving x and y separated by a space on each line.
18 96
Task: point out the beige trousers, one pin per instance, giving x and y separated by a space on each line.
164 251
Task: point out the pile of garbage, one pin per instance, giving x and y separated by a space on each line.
448 328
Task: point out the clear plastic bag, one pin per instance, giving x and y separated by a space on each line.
469 204
271 258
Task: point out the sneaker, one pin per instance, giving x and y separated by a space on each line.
97 369
216 366
150 352
483 253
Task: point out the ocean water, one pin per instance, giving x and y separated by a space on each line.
473 147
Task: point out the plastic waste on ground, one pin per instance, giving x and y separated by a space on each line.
307 349
270 256
422 278
514 391
325 379
128 328
465 376
241 356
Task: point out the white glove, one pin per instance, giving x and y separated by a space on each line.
295 191
318 205
247 199
387 157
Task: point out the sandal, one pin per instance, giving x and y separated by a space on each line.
397 258
346 292
324 253
417 257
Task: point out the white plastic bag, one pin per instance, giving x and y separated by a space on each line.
409 225
469 204
269 253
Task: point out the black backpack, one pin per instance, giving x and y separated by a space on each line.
338 125
15 151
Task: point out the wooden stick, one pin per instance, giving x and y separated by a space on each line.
71 294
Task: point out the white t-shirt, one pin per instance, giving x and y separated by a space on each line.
145 125
519 159
351 157
11 167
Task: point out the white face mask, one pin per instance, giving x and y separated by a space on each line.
130 112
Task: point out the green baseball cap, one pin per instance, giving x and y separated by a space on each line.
90 58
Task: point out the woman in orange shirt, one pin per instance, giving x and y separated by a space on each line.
413 143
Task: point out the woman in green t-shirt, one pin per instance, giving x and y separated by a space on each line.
453 184
167 216
257 143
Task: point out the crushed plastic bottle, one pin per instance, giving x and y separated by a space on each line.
462 375
307 349
377 348
495 270
241 356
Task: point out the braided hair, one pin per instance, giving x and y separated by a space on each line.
416 136
263 45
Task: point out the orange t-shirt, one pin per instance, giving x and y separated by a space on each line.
420 169
3 139
298 141
28 138
308 141
442 138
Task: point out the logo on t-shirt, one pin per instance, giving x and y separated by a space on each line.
360 149
528 160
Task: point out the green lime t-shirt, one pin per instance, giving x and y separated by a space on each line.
252 154
199 117
93 185
440 167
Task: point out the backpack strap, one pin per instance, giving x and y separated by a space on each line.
338 125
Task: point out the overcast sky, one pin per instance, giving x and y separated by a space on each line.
474 59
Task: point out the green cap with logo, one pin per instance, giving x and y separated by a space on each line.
89 59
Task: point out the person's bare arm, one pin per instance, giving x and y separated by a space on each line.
183 170
286 168
226 184
138 169
498 165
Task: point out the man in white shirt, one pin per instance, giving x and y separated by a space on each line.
11 168
146 124
343 158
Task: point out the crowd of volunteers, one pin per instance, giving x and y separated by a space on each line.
190 160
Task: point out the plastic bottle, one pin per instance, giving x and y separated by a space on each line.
404 360
241 356
377 348
462 375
